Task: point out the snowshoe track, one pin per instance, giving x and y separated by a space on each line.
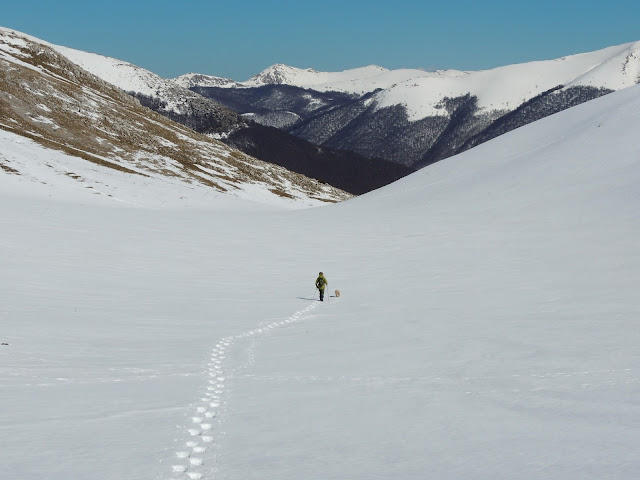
202 433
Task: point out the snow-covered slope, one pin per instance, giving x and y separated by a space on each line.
507 87
421 92
487 327
129 77
34 171
54 103
199 80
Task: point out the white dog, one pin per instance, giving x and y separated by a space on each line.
337 293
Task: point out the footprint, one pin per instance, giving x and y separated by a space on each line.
215 388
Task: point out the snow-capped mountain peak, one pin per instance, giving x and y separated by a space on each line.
280 74
620 70
504 88
190 80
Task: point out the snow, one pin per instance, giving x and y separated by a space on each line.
189 80
357 80
126 76
487 326
123 74
7 54
617 72
422 92
507 87
56 176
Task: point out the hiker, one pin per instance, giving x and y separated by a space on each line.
321 282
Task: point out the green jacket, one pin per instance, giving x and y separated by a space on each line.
321 282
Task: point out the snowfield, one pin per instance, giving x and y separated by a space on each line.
487 328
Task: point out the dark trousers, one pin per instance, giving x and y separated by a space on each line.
321 294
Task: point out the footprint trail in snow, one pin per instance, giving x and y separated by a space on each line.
197 454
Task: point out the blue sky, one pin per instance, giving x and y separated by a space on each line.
237 39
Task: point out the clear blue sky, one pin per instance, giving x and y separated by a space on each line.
237 39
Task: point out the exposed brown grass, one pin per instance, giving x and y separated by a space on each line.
8 169
63 107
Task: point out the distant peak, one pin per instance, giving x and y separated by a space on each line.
189 80
278 74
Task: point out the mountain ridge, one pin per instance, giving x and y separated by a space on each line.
51 100
386 123
575 71
414 117
213 118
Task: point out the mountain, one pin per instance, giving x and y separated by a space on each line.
414 117
58 105
357 81
487 327
171 99
195 79
351 172
165 97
